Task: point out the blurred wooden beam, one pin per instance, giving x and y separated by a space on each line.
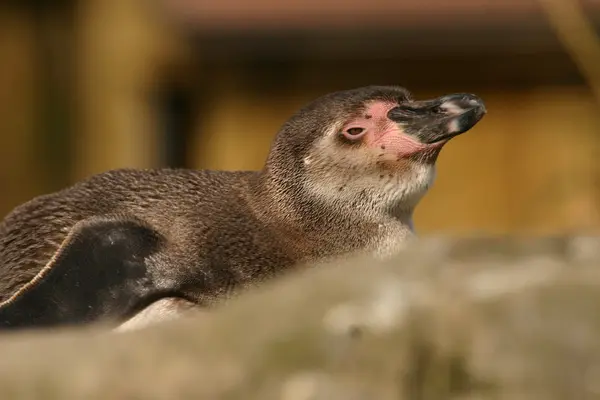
54 42
122 46
20 175
257 15
578 36
114 126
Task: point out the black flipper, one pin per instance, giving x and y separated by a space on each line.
99 271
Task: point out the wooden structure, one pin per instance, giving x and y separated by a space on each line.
91 85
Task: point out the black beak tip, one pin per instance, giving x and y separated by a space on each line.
473 106
479 104
470 110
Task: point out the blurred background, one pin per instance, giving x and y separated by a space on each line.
92 85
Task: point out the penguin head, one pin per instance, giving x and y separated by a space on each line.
374 145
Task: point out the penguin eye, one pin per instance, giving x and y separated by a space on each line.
354 133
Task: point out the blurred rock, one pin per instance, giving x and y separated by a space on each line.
470 318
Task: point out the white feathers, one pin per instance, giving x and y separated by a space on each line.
451 107
453 126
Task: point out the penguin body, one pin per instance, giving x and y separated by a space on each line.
343 176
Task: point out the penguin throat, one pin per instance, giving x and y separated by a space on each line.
366 197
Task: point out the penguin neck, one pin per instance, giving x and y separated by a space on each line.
330 228
300 202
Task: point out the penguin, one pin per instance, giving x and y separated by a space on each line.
343 176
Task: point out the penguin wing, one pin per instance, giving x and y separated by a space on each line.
98 271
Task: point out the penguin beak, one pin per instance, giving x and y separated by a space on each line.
439 120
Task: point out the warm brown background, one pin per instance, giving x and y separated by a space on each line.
98 84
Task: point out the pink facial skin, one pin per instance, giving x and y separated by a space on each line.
381 133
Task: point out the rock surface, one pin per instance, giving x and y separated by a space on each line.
481 318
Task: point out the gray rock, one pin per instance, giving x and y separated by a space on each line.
466 318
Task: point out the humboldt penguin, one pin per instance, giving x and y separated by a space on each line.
343 176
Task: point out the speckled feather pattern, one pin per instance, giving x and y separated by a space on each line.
212 239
